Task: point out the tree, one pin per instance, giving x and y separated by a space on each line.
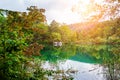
107 9
55 36
66 33
17 39
54 26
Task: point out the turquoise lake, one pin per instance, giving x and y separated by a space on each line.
91 62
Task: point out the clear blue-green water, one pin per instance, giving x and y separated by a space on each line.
91 62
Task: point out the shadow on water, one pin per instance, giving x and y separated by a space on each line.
107 56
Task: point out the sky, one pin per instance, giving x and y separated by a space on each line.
59 10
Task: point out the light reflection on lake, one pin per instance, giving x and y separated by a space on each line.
96 62
85 71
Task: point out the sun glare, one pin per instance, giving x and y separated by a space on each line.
86 8
82 7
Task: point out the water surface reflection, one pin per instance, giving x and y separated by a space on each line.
93 62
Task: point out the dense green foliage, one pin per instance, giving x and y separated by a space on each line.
17 38
106 32
24 34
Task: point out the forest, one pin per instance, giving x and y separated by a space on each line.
24 34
